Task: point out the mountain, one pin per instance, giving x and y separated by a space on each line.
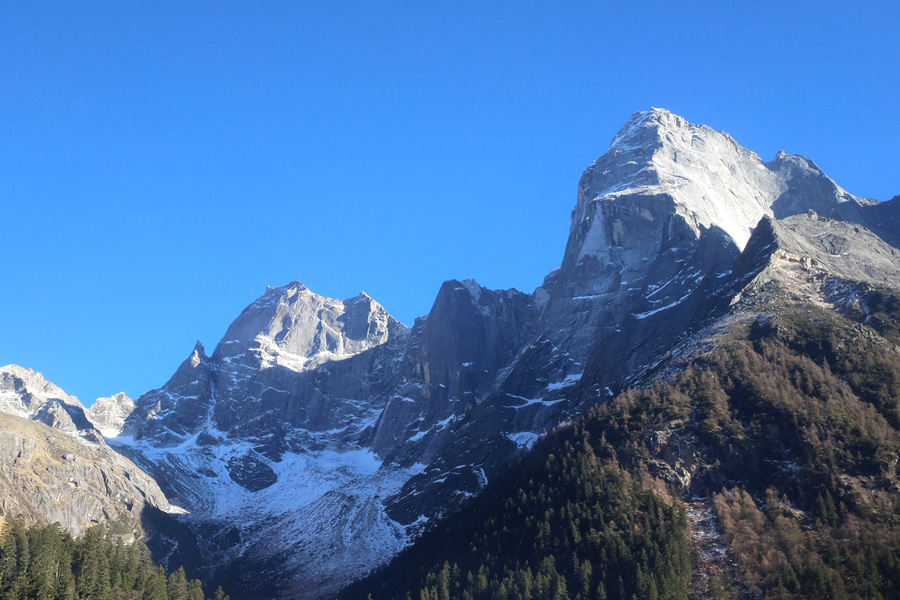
25 393
763 422
764 467
322 436
260 441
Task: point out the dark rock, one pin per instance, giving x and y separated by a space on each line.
251 472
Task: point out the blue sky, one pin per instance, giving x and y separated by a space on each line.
160 165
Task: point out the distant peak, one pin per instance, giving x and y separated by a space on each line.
198 348
294 286
794 160
646 126
11 368
25 373
653 114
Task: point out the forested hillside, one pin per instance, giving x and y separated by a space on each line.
566 522
788 422
44 562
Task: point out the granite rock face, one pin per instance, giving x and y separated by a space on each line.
57 468
322 435
47 475
25 393
661 216
108 414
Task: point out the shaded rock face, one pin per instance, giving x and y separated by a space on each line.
325 428
177 410
883 219
451 365
251 472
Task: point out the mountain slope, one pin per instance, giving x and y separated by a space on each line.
567 521
317 411
799 455
55 467
785 412
47 476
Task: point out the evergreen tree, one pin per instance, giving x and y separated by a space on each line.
177 586
44 563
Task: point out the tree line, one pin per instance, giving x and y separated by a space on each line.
44 562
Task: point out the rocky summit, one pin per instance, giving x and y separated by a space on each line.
27 394
322 436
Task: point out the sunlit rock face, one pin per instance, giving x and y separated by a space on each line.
108 414
55 467
27 394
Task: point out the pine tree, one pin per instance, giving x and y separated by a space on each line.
154 587
195 590
176 586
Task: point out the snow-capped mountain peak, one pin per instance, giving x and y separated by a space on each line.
705 175
26 393
295 328
710 178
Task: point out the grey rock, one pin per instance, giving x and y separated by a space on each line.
26 393
108 414
251 472
49 476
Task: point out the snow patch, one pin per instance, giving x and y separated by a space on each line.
569 380
668 306
524 439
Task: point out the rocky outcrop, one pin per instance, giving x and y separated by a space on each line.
108 414
49 476
25 393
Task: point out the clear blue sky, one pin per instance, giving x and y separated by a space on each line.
160 165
